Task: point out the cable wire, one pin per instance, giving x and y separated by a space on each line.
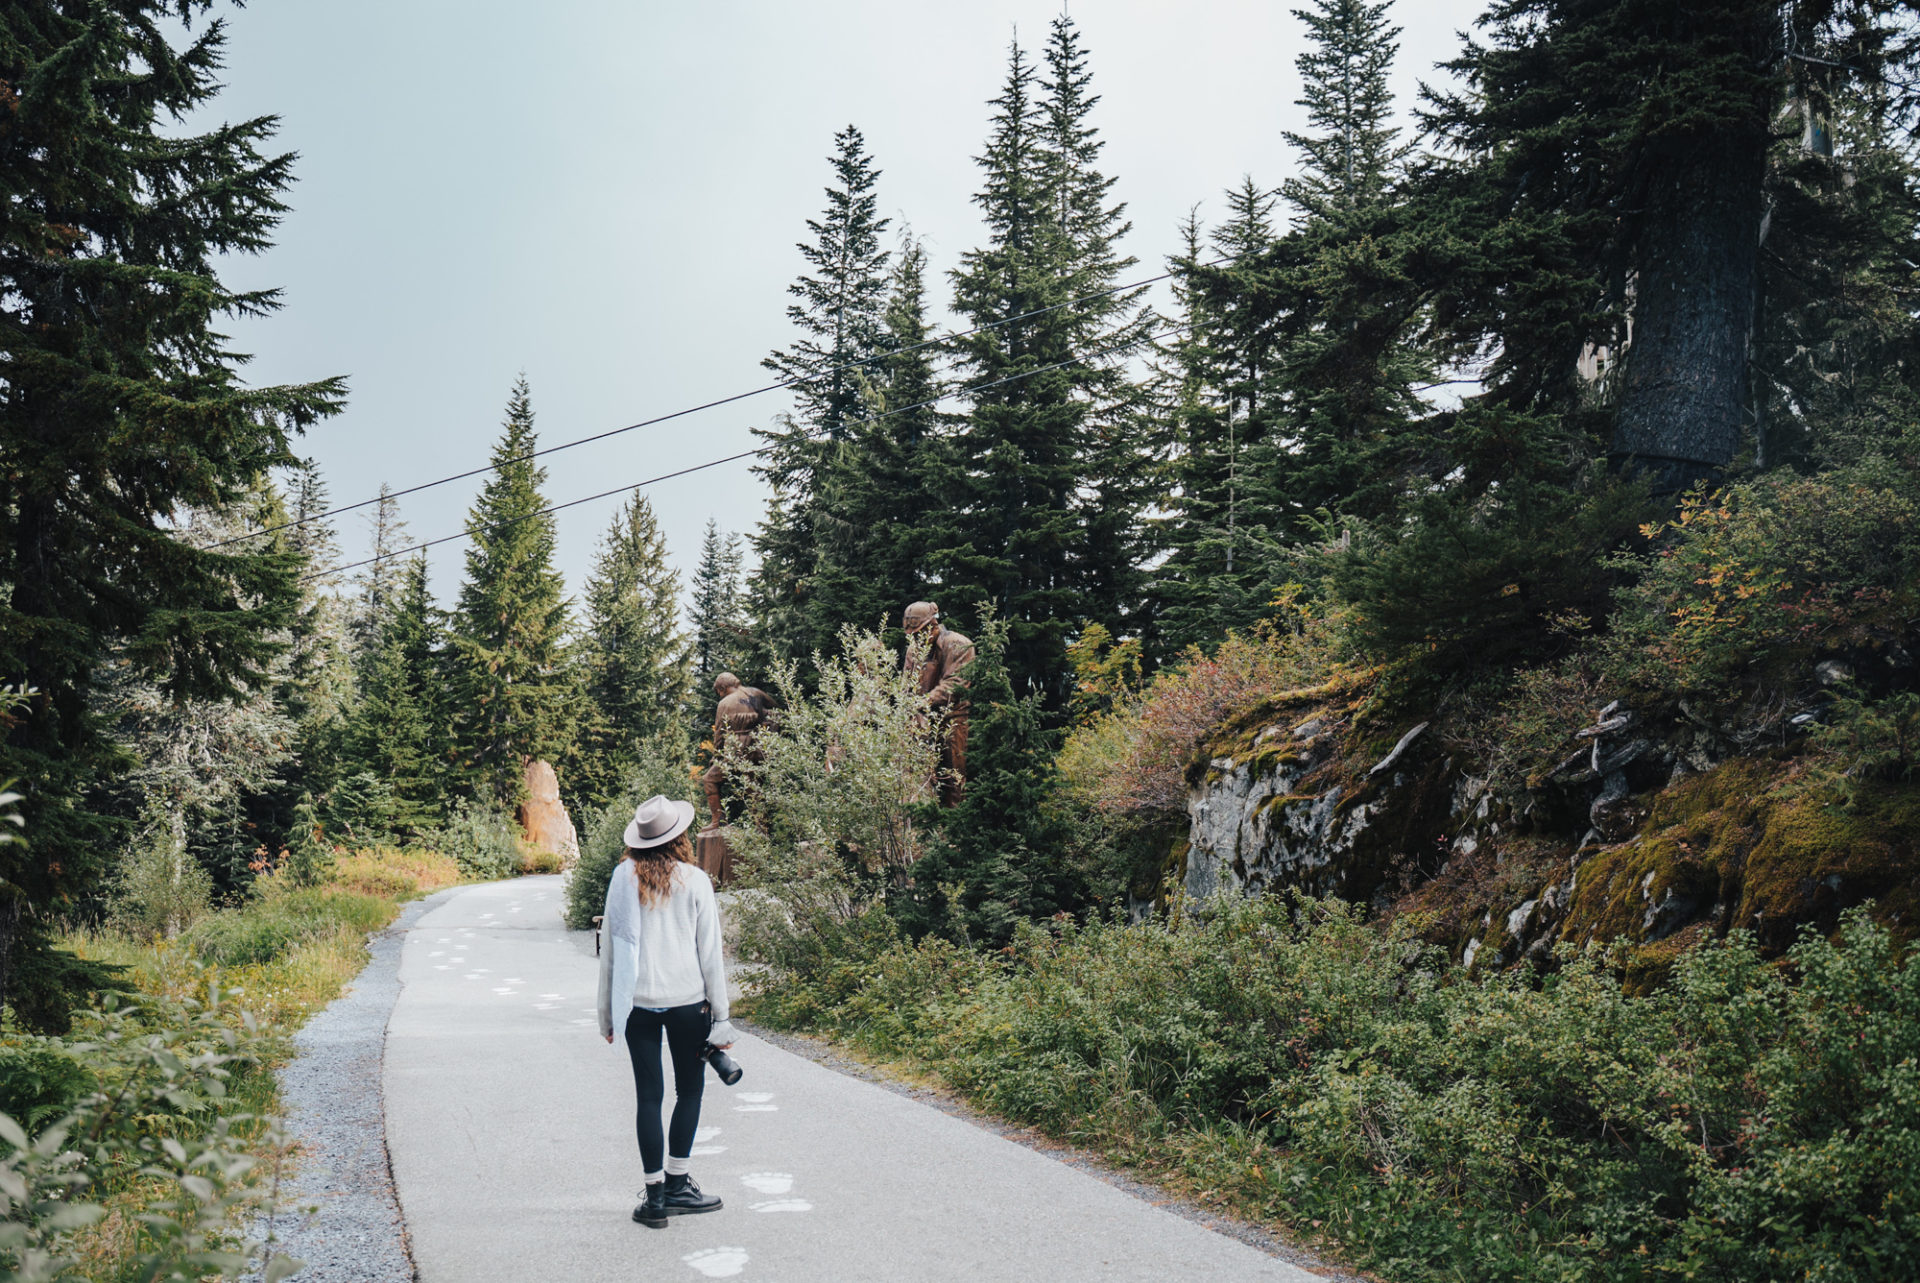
732 458
711 405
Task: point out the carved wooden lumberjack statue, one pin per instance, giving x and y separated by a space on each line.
943 683
740 712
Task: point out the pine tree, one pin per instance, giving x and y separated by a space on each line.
996 859
382 581
635 663
1614 164
1346 164
509 685
1046 468
1339 300
838 312
116 218
1217 418
716 612
397 733
878 485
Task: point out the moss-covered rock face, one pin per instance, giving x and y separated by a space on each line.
1749 844
1289 796
1647 847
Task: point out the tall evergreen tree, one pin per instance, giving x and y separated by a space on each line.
397 732
635 662
382 581
1218 414
879 484
1614 160
1045 473
838 307
716 612
509 685
122 404
1346 162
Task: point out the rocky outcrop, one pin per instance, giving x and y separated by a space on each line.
544 821
1279 801
1648 836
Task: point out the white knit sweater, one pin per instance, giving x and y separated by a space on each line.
662 955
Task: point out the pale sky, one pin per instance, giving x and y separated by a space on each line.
606 194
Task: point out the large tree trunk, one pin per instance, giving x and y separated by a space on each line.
1683 398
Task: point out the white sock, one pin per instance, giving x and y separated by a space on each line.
678 1166
654 1178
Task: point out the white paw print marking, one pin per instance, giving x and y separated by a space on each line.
545 1006
438 953
580 1020
768 1182
471 975
756 1097
706 1133
553 997
783 1205
701 1151
513 980
718 1262
756 1109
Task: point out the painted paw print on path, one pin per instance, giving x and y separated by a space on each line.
755 1102
783 1205
768 1182
718 1262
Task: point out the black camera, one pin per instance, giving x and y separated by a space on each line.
723 1067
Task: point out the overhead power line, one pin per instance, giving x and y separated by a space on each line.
733 458
708 405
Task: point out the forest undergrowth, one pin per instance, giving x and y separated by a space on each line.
1289 1063
144 1138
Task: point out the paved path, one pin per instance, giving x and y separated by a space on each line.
510 1125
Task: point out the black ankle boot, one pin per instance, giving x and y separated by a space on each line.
652 1211
683 1197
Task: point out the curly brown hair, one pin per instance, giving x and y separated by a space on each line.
653 867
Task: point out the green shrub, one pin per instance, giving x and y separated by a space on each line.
484 842
161 889
41 1081
161 1074
267 929
1735 1125
665 769
1744 587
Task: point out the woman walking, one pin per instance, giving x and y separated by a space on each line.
661 971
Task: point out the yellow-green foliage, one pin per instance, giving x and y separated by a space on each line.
392 873
1753 837
258 972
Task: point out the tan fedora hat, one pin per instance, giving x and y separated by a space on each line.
657 821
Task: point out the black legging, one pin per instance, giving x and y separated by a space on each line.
686 1038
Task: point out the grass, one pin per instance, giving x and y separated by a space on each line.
274 961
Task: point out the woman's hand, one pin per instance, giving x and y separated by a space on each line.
718 1046
609 1037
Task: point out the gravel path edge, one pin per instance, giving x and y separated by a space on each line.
337 1209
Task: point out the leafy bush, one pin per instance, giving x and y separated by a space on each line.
834 795
161 889
482 841
162 1070
1352 1080
1133 759
267 930
666 769
1745 586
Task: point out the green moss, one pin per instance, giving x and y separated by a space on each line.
1757 839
